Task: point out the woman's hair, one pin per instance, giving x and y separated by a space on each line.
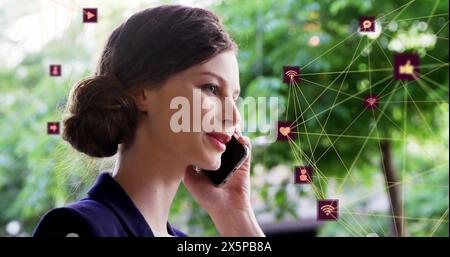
145 50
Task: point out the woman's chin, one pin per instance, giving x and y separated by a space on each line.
215 167
212 164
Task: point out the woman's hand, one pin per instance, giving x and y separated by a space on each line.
228 205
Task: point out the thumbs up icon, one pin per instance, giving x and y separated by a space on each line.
406 66
407 69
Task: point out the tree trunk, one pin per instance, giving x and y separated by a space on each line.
394 188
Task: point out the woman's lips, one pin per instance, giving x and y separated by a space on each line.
219 140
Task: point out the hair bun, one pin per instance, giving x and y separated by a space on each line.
100 116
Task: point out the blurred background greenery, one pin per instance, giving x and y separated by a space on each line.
388 166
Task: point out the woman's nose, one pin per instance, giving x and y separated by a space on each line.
231 115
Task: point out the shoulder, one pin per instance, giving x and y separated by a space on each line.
179 233
83 218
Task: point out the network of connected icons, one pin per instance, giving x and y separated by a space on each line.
405 70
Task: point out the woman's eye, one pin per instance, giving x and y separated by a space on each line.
211 88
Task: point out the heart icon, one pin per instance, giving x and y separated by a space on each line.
285 131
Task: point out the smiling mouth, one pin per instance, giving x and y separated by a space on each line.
218 140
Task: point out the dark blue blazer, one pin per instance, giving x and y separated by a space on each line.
107 211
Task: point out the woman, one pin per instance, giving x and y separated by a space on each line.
155 56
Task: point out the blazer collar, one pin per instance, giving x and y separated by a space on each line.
109 192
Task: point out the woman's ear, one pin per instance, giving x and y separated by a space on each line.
142 99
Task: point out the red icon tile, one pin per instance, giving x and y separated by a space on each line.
53 128
328 209
367 24
89 15
371 102
291 74
303 175
55 70
286 131
406 66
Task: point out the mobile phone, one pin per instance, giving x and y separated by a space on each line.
233 157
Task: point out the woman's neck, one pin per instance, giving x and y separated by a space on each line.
150 177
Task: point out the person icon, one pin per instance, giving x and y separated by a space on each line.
303 175
55 70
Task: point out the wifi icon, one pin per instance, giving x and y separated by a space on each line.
327 209
291 74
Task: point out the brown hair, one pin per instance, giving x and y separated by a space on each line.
148 48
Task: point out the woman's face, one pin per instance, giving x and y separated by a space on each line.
202 95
